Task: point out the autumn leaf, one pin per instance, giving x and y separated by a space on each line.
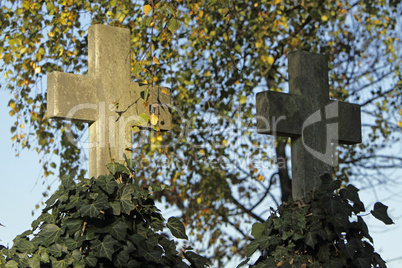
156 60
153 119
147 9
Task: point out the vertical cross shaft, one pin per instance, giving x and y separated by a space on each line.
106 98
310 118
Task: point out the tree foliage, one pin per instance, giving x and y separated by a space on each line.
102 222
214 55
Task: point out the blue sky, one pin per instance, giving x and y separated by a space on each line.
21 189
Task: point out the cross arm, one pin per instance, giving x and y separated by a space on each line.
349 120
72 96
279 113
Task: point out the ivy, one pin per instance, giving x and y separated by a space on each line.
324 230
100 222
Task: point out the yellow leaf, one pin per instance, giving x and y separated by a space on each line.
270 60
243 99
38 69
225 142
22 126
199 200
156 60
324 18
12 105
147 9
153 119
201 152
135 129
164 91
399 123
260 178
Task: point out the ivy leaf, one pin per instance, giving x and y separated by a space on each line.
243 263
119 230
34 261
350 192
310 239
380 212
195 259
72 225
23 244
56 250
89 210
257 230
363 228
12 264
104 248
50 233
251 248
116 167
177 228
91 261
115 207
126 200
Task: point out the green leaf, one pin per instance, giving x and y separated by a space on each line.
50 233
115 207
34 261
380 212
116 167
350 192
173 25
72 225
89 210
126 200
177 228
243 263
257 230
363 228
310 239
91 261
119 230
146 94
56 250
104 249
195 259
12 264
251 248
23 244
143 119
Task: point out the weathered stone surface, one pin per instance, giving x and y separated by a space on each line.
310 118
106 98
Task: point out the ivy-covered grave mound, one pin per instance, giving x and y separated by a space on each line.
102 222
324 230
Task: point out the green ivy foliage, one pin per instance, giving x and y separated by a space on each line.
325 230
102 222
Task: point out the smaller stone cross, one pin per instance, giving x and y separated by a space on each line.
315 123
106 98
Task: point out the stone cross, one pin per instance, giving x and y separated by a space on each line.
106 98
315 123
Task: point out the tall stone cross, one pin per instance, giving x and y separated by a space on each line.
106 98
315 123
